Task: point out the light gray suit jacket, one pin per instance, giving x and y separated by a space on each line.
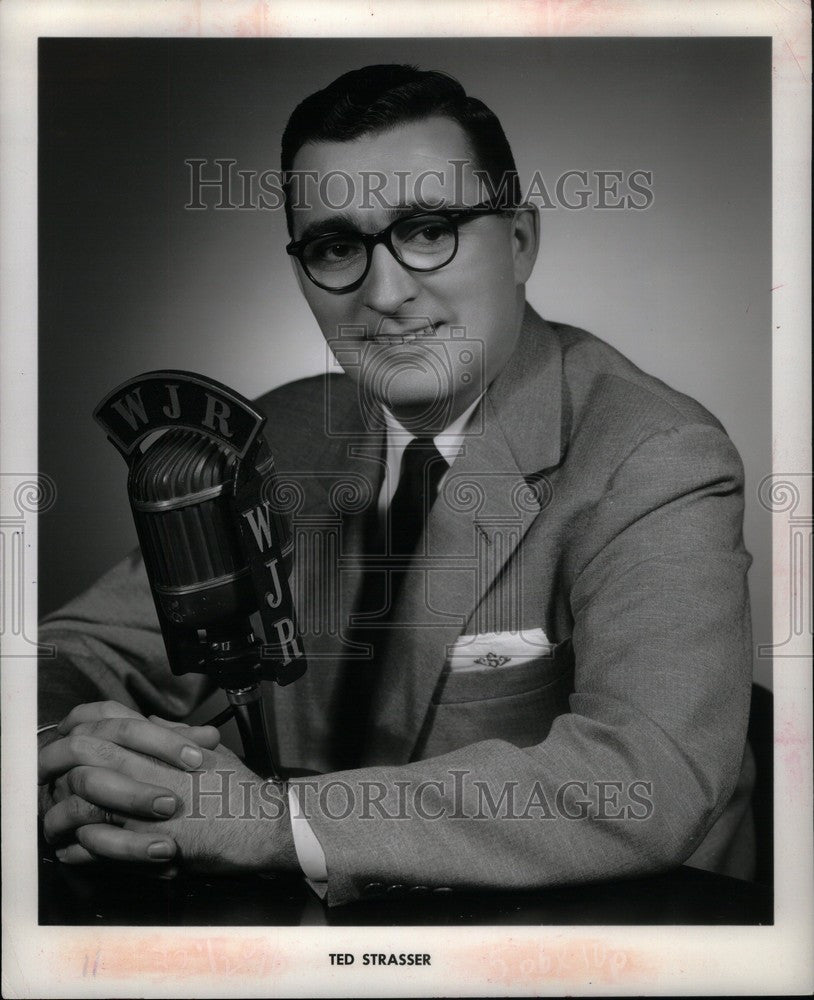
591 502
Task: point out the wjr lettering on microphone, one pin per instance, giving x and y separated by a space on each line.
216 551
177 399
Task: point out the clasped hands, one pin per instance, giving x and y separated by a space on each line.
127 788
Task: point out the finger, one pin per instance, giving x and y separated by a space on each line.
75 854
103 841
95 710
169 723
122 793
60 788
204 736
169 745
69 814
97 793
98 842
80 748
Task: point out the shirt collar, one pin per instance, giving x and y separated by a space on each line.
448 441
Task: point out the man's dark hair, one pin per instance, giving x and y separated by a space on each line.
378 98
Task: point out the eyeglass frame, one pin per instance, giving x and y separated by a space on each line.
370 240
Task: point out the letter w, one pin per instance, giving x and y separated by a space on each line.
259 523
131 408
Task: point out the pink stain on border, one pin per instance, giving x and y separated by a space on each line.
574 960
790 743
563 17
232 19
257 18
169 957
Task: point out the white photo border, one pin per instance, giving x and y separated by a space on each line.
54 961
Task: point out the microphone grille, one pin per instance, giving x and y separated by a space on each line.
180 464
188 537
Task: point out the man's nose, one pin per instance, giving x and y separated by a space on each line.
388 284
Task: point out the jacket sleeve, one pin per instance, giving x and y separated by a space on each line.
108 646
657 723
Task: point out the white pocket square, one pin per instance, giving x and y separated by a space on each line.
498 649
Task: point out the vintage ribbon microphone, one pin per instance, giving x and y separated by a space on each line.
215 548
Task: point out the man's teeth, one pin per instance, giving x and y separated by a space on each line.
405 338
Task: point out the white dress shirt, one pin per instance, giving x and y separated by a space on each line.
449 444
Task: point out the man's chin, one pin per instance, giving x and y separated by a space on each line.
415 406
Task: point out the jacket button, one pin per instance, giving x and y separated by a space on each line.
395 888
418 888
442 888
372 887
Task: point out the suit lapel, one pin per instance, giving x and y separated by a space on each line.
331 498
487 503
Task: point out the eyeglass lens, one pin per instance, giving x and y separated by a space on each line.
422 243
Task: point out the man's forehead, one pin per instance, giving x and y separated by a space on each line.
414 145
414 165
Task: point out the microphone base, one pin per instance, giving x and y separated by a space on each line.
233 658
249 713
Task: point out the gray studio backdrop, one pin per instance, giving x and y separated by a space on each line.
131 280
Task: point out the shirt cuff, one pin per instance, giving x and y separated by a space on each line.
309 850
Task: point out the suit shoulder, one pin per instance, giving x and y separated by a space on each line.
296 411
302 391
600 378
295 400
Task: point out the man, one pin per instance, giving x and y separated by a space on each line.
537 666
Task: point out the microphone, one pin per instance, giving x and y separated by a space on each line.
201 486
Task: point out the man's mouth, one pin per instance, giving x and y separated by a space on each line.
385 336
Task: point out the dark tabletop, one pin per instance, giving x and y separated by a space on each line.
112 895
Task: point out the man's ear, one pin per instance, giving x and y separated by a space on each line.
525 241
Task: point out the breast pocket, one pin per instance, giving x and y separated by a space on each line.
512 702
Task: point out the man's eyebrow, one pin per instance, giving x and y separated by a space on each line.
342 222
414 208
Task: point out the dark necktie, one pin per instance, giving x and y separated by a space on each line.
422 468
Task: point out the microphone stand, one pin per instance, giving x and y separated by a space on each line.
233 654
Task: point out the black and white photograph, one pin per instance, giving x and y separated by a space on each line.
409 587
